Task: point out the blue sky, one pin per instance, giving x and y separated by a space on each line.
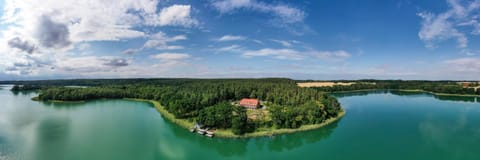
348 39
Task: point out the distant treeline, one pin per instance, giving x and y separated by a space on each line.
448 87
208 101
28 87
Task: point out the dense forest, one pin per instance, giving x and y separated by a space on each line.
447 87
208 101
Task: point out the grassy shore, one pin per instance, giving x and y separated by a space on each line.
227 133
185 123
263 132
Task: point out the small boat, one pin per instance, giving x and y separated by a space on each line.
209 135
210 132
202 131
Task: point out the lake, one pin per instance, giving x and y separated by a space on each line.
378 125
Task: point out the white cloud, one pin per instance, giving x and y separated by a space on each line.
231 48
176 15
276 53
257 41
231 38
471 65
438 28
169 61
284 43
160 41
58 26
131 51
171 56
57 23
283 13
332 55
444 26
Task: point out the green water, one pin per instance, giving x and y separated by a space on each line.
377 126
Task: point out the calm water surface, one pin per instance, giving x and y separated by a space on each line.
377 126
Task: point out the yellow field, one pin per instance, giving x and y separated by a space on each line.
324 84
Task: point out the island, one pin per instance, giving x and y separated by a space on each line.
233 108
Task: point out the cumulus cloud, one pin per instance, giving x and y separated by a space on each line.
26 64
57 23
160 41
176 15
116 62
130 51
471 65
444 26
231 38
276 53
22 45
58 26
282 13
332 55
89 64
171 60
51 34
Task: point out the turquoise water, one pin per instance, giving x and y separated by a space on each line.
377 126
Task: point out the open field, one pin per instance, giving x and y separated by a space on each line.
323 84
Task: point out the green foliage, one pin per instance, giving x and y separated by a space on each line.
219 115
239 121
207 100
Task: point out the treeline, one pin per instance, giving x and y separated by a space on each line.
208 100
448 87
17 88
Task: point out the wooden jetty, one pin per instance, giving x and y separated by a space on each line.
203 131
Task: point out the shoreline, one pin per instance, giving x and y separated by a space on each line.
411 90
223 133
227 133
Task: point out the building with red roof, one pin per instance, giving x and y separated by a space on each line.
249 103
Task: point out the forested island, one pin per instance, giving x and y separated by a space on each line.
213 103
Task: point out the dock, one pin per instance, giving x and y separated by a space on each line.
210 134
203 131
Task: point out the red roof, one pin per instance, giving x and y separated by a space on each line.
249 102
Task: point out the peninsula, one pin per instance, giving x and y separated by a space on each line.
234 108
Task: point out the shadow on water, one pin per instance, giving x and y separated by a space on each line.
358 93
410 94
238 147
24 93
454 135
458 98
225 147
52 138
439 97
291 141
64 105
